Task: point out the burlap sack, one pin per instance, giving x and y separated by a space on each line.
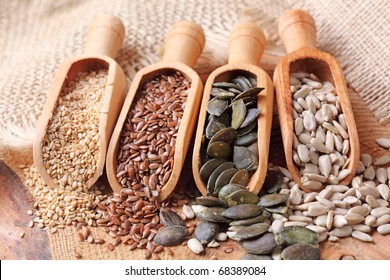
36 36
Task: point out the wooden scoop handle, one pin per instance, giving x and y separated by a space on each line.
297 30
184 43
246 44
105 35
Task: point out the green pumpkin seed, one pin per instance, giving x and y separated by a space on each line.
210 201
242 197
205 231
248 222
264 244
226 135
242 211
228 189
243 82
215 124
238 114
296 234
226 85
273 181
301 252
212 214
221 93
251 116
246 139
223 179
213 177
249 256
241 177
170 218
280 209
253 81
252 231
235 91
171 236
242 157
272 199
247 129
219 149
254 149
217 106
252 93
207 169
250 105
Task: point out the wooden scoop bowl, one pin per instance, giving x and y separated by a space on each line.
298 32
104 39
183 46
246 46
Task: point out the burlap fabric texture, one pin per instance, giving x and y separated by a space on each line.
37 36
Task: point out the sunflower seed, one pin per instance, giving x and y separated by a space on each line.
383 142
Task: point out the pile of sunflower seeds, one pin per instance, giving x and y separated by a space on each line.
249 217
341 211
229 151
321 140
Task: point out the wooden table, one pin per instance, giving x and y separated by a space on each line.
15 200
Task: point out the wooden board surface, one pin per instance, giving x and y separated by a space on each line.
15 200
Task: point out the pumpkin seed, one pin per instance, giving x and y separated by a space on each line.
253 81
247 129
210 201
252 93
241 177
170 218
226 135
221 93
248 222
171 236
228 189
217 106
242 211
235 91
219 149
249 256
207 169
273 181
252 231
243 82
246 139
238 113
264 244
251 116
301 252
226 85
224 179
242 157
242 197
213 177
272 199
212 214
281 209
216 123
205 231
291 235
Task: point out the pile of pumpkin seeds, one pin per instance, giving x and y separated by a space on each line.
229 151
250 218
321 141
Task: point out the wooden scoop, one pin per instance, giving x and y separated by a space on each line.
104 39
183 46
246 46
298 32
